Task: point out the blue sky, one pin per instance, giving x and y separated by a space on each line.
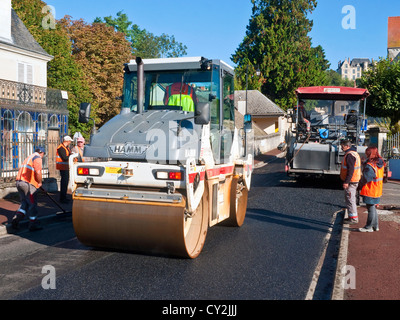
214 29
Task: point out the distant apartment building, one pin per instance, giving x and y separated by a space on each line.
394 38
354 69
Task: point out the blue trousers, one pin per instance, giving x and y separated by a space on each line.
372 220
28 195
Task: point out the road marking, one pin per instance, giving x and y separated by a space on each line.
317 272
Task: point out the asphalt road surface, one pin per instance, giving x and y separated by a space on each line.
272 257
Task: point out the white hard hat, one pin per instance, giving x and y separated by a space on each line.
67 138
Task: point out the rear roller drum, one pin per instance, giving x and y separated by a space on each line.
238 204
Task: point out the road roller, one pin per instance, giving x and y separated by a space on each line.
170 165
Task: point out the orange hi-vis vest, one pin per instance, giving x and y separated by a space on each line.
374 188
60 164
27 171
357 167
81 155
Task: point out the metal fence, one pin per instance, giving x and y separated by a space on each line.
30 116
16 146
392 142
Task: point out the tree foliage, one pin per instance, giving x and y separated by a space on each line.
383 83
101 52
277 43
89 58
335 79
63 72
144 44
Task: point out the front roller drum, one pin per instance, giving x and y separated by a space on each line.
149 227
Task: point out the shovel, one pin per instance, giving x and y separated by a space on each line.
57 204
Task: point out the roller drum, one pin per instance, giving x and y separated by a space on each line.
151 227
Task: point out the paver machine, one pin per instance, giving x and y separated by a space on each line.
322 118
171 164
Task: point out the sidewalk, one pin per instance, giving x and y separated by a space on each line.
376 256
263 159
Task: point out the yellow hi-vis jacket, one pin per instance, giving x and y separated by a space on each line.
180 94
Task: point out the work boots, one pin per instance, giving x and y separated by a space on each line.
350 221
16 219
34 225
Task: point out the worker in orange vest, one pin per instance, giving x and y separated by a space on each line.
80 146
63 153
28 181
372 186
350 174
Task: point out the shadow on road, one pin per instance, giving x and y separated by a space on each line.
287 220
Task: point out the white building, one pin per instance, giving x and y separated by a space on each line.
22 59
269 122
354 69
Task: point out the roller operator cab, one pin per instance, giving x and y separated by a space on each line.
323 117
170 165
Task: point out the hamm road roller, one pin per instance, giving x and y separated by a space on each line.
322 118
170 165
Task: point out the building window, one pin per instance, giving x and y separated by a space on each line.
53 121
25 73
42 128
25 127
6 137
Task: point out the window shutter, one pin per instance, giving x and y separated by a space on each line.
29 74
21 72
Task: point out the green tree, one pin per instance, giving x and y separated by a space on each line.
335 79
144 44
277 43
383 83
101 52
63 73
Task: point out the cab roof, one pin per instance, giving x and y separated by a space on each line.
332 93
181 63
